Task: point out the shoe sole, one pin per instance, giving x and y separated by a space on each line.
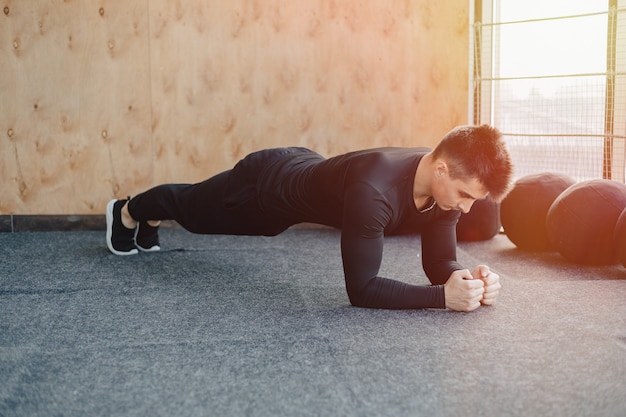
109 217
155 248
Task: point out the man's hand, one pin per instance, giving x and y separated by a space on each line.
463 292
491 281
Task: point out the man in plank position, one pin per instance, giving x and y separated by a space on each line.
367 194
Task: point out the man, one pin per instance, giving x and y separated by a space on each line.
367 194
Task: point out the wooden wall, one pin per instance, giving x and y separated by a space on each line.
105 98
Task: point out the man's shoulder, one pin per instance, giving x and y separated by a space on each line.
374 159
384 163
389 152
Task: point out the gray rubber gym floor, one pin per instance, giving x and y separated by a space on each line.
255 326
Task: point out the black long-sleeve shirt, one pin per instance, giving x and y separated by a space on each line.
367 194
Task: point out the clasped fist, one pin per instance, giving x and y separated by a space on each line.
465 291
491 283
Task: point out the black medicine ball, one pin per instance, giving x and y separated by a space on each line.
523 211
482 222
581 221
619 238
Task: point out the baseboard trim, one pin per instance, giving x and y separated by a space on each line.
50 223
12 223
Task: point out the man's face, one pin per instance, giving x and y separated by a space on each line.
457 194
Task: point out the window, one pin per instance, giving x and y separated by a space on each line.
551 75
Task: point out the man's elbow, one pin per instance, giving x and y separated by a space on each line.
358 298
359 295
436 277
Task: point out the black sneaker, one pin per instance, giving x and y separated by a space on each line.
119 237
147 237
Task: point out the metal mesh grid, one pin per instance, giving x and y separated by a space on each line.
556 88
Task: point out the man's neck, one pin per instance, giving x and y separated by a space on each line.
422 184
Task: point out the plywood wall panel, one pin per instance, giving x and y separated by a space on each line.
331 75
100 99
75 99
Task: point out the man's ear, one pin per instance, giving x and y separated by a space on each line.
441 168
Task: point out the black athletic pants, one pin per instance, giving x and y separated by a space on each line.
227 203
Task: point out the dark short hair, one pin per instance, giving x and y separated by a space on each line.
478 152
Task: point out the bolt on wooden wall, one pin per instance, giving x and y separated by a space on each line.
102 99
